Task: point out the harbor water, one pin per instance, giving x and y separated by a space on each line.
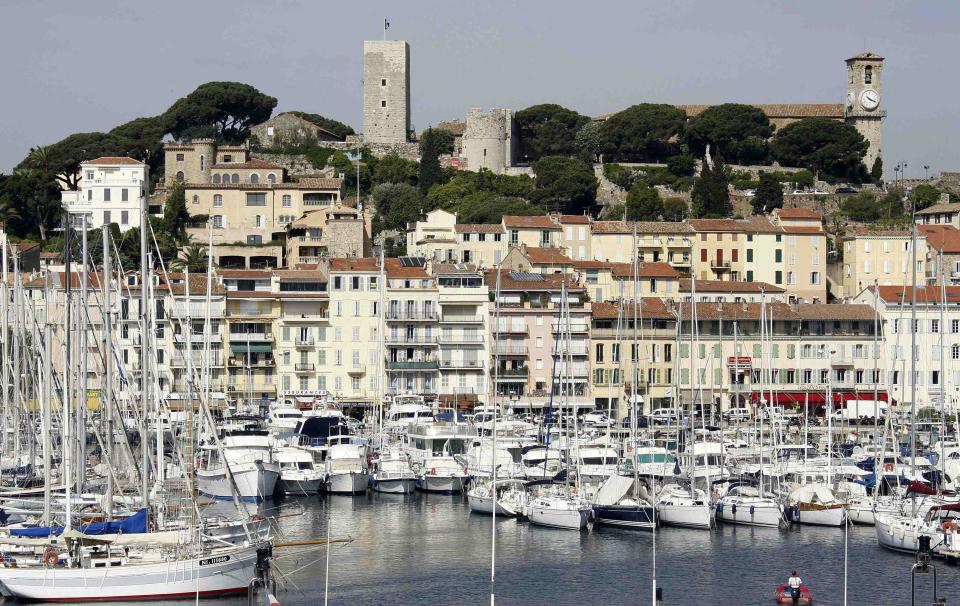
429 549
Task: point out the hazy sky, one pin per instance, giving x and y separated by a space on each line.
88 66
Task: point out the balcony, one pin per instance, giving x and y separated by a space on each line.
510 349
252 337
719 265
253 387
179 360
680 262
519 328
259 363
461 319
412 365
573 349
462 364
302 367
359 369
511 374
303 343
575 327
196 309
323 316
412 315
417 338
841 359
214 337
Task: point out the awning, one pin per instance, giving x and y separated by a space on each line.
789 398
252 348
841 398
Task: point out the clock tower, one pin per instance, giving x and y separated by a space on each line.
864 105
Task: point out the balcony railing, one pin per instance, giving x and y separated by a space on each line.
305 342
405 314
259 363
572 326
304 367
511 349
196 309
719 265
461 319
518 328
416 338
413 365
478 364
253 337
513 372
475 339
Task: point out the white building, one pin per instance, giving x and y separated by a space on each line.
112 190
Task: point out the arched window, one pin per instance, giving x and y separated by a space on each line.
272 178
196 199
217 200
868 74
254 178
216 178
235 178
180 176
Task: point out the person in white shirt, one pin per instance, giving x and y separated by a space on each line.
793 584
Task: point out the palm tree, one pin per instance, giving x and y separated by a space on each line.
192 257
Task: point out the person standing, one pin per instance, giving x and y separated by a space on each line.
793 584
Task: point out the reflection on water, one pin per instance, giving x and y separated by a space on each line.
429 549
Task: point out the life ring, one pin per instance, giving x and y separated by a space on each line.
888 466
949 526
433 471
50 557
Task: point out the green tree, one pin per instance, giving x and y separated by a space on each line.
614 213
862 207
490 207
565 184
833 149
394 169
548 129
642 132
175 215
396 204
223 110
430 173
769 195
192 257
643 203
724 127
589 141
924 196
876 171
440 139
32 197
342 165
711 196
337 128
620 175
675 209
683 165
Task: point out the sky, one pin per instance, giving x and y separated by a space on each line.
89 66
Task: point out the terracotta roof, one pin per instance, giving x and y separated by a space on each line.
325 184
114 160
546 256
198 285
864 231
925 294
455 268
246 273
49 255
529 222
738 311
357 264
643 227
588 264
644 270
750 225
575 219
320 183
798 213
650 307
251 163
947 207
299 274
394 269
721 286
835 311
478 228
783 110
549 282
941 237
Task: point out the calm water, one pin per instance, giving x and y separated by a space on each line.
417 549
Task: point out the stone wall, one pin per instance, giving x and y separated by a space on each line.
386 91
297 165
488 140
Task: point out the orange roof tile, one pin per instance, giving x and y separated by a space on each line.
251 163
925 294
114 160
798 213
478 228
394 269
722 286
529 222
941 237
644 270
650 307
358 264
575 219
546 256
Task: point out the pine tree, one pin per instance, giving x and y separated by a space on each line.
430 172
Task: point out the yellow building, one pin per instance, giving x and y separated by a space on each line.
351 363
877 256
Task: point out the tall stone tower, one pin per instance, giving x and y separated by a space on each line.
386 91
488 140
863 108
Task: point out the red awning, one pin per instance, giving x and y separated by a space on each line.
841 398
789 398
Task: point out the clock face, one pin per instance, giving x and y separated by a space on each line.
869 99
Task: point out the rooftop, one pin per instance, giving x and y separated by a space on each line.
251 163
721 286
478 228
529 222
650 307
108 160
798 213
365 264
644 270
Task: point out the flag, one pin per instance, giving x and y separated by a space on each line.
386 24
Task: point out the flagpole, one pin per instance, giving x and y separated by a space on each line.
385 26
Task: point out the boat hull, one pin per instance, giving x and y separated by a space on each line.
393 485
750 514
820 516
347 483
566 519
685 516
624 516
441 484
255 481
304 487
214 575
482 504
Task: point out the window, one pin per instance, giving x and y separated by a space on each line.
217 200
258 220
227 158
234 178
955 352
254 178
124 217
256 199
89 195
218 221
749 255
954 326
124 195
179 157
514 237
272 178
599 352
790 278
216 178
815 277
196 198
383 103
935 326
106 217
383 81
179 176
868 74
778 255
287 201
498 237
778 277
749 275
106 194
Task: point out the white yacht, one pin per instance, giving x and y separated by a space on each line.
816 505
283 420
596 463
247 450
391 473
511 497
541 462
685 506
434 448
345 468
298 473
555 506
480 459
747 505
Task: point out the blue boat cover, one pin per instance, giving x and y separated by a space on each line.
137 523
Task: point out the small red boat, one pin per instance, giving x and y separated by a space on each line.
784 597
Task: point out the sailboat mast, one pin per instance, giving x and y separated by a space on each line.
46 409
913 357
106 383
144 357
66 447
4 311
82 325
493 464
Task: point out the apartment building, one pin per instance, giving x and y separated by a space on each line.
575 235
111 190
729 292
301 330
537 260
337 231
526 329
350 360
937 337
411 315
656 241
804 246
631 342
252 309
880 257
463 334
533 231
441 239
943 253
805 349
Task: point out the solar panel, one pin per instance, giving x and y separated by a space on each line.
525 276
413 261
